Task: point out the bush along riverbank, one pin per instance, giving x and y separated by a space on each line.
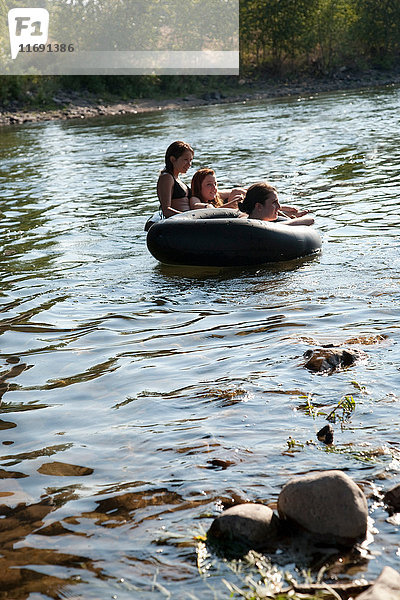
63 103
321 510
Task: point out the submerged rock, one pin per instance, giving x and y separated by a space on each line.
326 434
328 360
368 340
392 498
218 463
328 505
386 587
253 525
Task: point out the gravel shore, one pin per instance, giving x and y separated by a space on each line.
73 105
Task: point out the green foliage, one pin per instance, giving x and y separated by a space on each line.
274 30
277 37
332 33
28 89
319 35
377 30
123 86
311 408
343 410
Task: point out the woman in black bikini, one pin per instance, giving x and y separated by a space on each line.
173 194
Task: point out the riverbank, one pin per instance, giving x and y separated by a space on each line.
73 105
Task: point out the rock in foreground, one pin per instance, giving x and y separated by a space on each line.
253 525
386 587
328 504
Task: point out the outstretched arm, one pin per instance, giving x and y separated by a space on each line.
232 197
292 211
196 203
300 221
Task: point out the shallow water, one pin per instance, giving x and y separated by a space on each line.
138 399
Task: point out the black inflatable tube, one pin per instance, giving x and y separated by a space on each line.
220 238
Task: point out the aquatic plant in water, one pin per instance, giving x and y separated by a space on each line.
342 411
347 405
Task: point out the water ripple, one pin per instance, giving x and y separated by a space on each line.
140 399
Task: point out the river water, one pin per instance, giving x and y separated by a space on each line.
139 399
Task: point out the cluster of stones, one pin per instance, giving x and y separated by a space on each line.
70 111
327 505
74 106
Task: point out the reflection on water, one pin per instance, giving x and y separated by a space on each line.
138 400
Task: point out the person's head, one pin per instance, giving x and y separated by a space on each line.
204 186
261 202
178 157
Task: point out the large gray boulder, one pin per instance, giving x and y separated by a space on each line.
386 587
327 504
253 525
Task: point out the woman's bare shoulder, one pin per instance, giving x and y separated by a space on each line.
165 183
165 176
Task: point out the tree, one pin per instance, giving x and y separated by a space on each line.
378 29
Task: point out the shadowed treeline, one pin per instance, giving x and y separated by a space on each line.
319 35
278 38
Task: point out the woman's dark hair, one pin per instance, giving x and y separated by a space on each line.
176 149
258 192
197 182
